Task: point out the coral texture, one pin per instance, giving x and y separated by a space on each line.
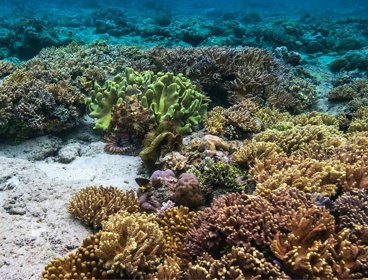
93 205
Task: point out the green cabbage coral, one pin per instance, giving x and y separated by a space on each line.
113 92
168 98
175 98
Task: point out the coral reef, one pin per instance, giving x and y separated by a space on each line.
93 205
129 245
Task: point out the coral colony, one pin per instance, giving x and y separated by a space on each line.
243 176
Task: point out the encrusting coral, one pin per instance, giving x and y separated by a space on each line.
130 245
93 205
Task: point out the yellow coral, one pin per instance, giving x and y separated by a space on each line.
174 223
309 175
83 264
130 244
93 205
215 121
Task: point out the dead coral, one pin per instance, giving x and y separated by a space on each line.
93 205
130 245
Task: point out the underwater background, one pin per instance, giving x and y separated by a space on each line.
183 139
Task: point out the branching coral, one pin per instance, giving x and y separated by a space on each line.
300 137
309 175
130 245
252 150
93 205
215 121
174 223
355 89
233 219
35 102
239 263
6 68
82 264
360 120
352 209
304 250
315 118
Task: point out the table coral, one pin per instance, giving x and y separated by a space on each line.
130 245
93 205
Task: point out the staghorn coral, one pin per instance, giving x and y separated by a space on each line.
174 223
93 205
240 263
130 245
309 175
129 124
351 209
304 250
82 264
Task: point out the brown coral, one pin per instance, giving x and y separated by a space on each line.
304 249
130 245
187 191
93 205
6 68
129 124
233 219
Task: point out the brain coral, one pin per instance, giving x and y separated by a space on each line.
93 205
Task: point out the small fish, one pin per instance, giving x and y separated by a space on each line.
142 183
